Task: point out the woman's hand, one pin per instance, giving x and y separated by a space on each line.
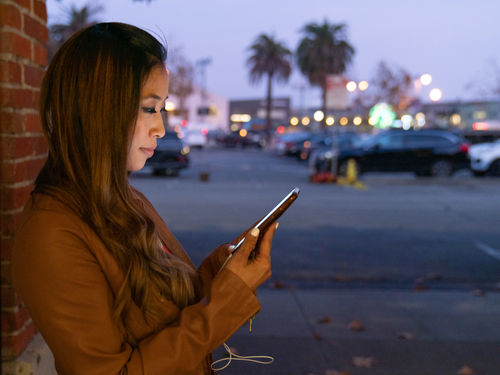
256 271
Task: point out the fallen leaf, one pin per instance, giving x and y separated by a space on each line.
420 285
406 335
324 320
339 278
356 325
478 292
363 361
317 336
277 285
466 370
335 372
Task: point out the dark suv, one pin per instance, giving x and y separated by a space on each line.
425 152
170 156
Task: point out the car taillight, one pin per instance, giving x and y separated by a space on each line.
464 147
181 158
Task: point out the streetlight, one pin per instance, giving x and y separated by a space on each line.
318 115
426 79
351 86
435 95
363 85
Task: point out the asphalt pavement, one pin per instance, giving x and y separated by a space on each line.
372 332
373 316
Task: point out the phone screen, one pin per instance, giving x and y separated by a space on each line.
275 213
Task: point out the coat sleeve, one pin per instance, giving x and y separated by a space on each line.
64 288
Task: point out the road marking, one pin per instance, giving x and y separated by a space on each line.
489 250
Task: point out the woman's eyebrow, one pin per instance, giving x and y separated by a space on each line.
154 96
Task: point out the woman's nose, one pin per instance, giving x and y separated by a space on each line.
158 130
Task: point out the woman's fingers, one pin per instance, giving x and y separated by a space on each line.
267 241
248 244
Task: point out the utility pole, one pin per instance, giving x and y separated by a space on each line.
202 64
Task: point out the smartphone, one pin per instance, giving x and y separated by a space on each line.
274 214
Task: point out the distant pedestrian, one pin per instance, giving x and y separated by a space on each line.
107 284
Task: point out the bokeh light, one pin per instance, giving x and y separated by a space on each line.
351 86
435 95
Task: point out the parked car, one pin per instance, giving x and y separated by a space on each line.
195 138
289 144
324 141
424 152
171 155
485 158
251 138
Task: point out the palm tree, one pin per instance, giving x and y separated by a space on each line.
322 51
271 58
77 19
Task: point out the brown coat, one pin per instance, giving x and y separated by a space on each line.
67 280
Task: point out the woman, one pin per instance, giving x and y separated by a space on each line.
105 281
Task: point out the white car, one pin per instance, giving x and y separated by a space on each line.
195 138
485 158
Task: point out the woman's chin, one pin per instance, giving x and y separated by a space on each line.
136 167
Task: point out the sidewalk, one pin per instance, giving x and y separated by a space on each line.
406 333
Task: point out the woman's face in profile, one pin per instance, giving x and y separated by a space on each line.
149 125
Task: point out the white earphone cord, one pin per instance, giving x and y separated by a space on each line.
262 359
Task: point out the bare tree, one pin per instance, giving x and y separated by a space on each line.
393 86
181 78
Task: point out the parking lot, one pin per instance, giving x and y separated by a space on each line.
416 261
395 232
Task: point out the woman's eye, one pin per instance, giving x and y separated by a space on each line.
149 109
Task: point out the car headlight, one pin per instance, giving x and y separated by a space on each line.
185 150
330 154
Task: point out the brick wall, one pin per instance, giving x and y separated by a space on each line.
23 56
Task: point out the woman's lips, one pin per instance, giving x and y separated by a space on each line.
148 151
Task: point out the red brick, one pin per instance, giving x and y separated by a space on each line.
40 54
16 98
6 253
41 9
33 75
35 28
35 98
10 72
32 123
11 122
15 44
9 221
14 320
20 147
12 346
25 171
10 16
10 297
15 198
26 4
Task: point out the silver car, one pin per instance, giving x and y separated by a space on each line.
485 158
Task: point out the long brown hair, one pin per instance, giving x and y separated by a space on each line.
89 103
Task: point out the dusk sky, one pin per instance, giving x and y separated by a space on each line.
456 41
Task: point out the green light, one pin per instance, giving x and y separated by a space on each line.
381 115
